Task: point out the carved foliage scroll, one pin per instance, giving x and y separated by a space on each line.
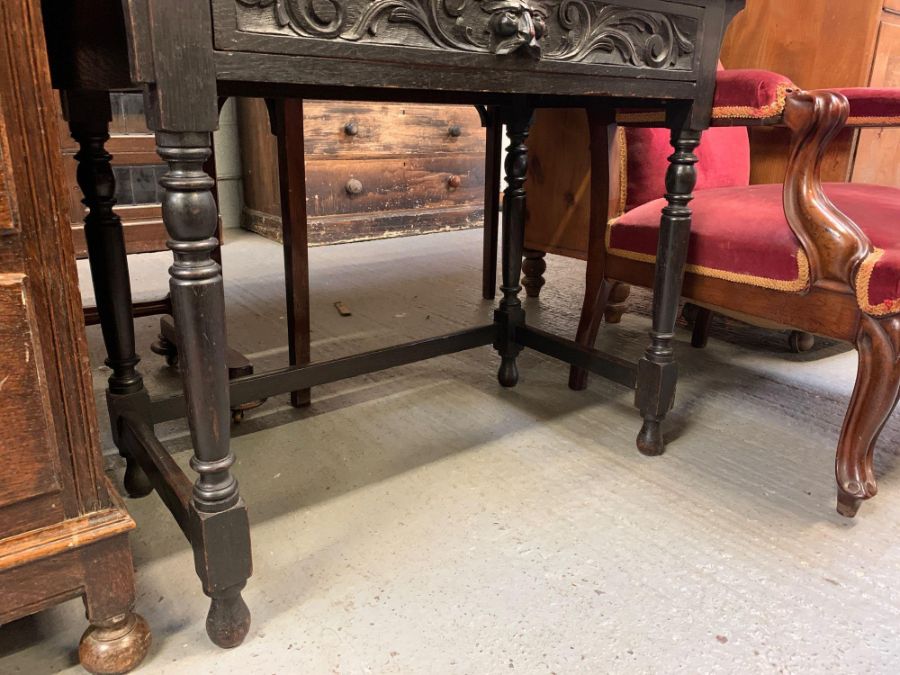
584 31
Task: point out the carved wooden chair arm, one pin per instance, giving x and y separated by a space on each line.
833 243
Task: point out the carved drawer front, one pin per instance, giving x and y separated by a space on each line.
652 34
373 129
391 184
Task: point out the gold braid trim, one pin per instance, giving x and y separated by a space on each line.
864 279
801 283
872 121
773 109
767 111
640 117
623 171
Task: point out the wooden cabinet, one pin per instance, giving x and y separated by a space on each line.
372 169
827 43
63 532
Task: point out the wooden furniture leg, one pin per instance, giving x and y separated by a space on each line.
874 398
89 114
657 370
510 314
702 323
220 530
288 123
618 303
533 267
117 639
598 288
493 125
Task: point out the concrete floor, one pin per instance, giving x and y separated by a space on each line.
425 521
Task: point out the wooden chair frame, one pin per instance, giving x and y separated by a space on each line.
835 247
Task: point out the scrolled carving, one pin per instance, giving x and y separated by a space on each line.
640 37
307 17
558 30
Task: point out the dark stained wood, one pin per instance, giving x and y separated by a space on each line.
533 267
510 314
493 149
292 174
63 532
264 385
640 52
657 368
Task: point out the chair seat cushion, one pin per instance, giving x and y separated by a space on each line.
741 234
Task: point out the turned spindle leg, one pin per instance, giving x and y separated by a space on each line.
657 370
510 314
220 532
88 114
533 267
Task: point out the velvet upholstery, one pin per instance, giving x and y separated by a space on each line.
872 107
741 234
741 95
750 94
724 155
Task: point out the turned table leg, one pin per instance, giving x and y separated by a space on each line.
657 370
510 313
533 267
219 529
88 114
493 125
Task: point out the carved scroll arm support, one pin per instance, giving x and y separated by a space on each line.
833 243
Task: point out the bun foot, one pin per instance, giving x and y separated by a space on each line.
800 342
650 440
116 646
228 621
136 482
508 375
578 379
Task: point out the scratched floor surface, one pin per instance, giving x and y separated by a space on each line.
423 520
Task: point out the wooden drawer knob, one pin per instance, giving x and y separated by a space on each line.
353 187
455 131
453 182
351 128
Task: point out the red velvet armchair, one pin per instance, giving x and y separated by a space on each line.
824 259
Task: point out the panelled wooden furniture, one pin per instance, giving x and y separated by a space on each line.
863 49
63 531
514 54
374 169
822 259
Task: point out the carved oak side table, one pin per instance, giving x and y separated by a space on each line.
513 54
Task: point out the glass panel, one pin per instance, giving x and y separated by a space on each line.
138 184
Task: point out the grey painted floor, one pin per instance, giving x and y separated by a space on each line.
425 521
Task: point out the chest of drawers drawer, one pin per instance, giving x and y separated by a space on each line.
372 170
